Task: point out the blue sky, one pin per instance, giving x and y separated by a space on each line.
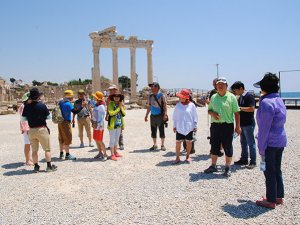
48 40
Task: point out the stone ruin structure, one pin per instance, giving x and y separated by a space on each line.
108 38
5 92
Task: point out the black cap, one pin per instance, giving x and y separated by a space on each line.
269 83
34 94
154 84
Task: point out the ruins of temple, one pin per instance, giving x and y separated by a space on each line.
108 38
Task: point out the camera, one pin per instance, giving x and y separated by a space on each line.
166 125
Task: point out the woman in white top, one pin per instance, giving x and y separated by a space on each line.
98 125
185 120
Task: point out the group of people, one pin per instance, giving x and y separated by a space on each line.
230 117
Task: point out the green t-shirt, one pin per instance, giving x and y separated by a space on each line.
225 106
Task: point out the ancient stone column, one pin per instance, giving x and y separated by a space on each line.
150 69
115 66
132 74
96 70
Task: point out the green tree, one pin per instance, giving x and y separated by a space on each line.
125 82
36 83
12 80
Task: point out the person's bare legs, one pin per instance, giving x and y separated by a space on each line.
103 149
162 142
214 159
154 141
27 155
178 145
99 146
228 161
67 148
188 149
35 157
48 156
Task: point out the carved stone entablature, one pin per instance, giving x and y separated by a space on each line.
119 37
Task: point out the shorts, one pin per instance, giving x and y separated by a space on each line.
65 133
39 136
98 135
221 134
181 137
26 138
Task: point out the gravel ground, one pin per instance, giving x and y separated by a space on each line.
143 187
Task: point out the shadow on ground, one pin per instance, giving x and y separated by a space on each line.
18 172
170 163
13 165
194 177
198 158
144 151
245 210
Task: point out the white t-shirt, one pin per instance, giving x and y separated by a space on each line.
98 115
185 118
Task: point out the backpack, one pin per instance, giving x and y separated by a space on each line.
57 116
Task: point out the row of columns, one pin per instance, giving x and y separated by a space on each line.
96 69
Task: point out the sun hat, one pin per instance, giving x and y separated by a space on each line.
81 91
25 97
154 84
184 93
34 94
221 80
99 96
269 83
113 86
69 94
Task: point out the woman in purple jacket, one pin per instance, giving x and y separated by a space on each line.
271 117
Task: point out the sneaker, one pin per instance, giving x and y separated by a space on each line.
113 157
81 145
51 169
241 162
36 168
211 169
227 172
251 165
279 201
70 157
163 148
61 155
90 145
117 154
266 204
99 155
103 158
154 147
121 147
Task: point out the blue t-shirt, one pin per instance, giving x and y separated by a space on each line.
66 110
154 107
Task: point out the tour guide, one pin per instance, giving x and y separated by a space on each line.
223 109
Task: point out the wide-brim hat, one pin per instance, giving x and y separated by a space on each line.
34 94
68 94
98 96
117 94
269 80
25 97
184 93
113 87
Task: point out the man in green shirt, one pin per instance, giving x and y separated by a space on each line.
224 111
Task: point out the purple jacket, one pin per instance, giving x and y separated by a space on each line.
271 117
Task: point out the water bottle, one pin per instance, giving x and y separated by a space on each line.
235 135
262 164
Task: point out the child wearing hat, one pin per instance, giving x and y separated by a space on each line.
115 123
24 129
185 121
98 119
